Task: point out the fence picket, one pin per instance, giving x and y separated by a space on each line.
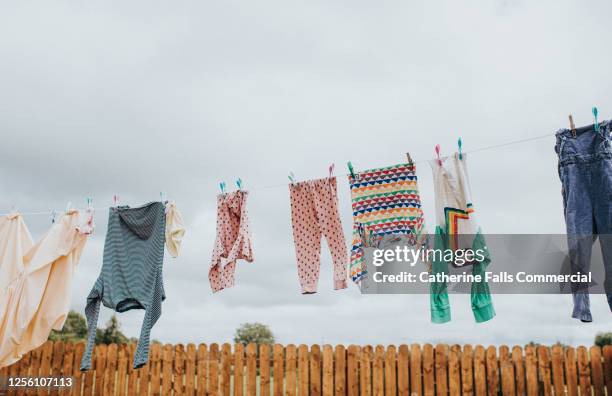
264 369
352 370
155 371
596 371
440 363
238 370
315 370
428 370
607 355
340 372
531 371
365 371
557 370
328 371
519 370
190 370
202 369
279 370
467 377
167 369
179 370
251 364
544 370
378 373
213 370
480 373
454 370
226 369
290 370
584 372
571 372
416 388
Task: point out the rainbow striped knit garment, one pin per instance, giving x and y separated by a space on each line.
385 201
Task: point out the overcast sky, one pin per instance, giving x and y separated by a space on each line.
141 97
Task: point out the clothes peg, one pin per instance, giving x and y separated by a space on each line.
409 159
596 122
53 214
350 167
572 125
115 200
222 186
459 144
291 177
239 184
438 154
331 170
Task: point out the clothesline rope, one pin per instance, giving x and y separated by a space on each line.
485 148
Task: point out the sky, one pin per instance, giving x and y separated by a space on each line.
133 99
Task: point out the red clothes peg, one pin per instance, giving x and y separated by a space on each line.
438 154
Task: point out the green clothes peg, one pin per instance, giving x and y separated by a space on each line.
596 122
350 166
459 143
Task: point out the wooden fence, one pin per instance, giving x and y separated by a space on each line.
301 370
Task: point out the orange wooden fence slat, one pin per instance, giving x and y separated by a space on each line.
167 369
132 373
238 370
597 375
251 365
519 370
403 370
441 374
467 377
492 372
557 370
607 357
531 370
302 370
584 372
190 370
416 388
390 370
544 370
202 369
122 370
179 370
328 371
365 371
279 369
264 369
428 370
155 370
340 371
378 373
480 372
213 370
290 370
315 370
454 370
100 369
571 372
76 389
226 369
352 370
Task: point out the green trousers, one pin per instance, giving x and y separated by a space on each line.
482 305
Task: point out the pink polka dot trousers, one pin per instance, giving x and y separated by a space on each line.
233 239
314 212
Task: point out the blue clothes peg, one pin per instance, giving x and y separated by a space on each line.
222 186
460 143
595 112
239 183
291 177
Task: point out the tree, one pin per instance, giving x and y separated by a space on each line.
255 333
112 333
74 330
603 339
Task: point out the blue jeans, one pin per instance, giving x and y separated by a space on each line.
585 169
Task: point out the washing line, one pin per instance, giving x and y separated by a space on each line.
495 146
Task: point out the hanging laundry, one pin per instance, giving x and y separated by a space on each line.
385 202
314 212
585 170
233 240
131 275
454 218
36 298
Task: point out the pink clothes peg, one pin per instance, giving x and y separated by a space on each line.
331 170
438 154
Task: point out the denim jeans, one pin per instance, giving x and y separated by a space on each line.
585 169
